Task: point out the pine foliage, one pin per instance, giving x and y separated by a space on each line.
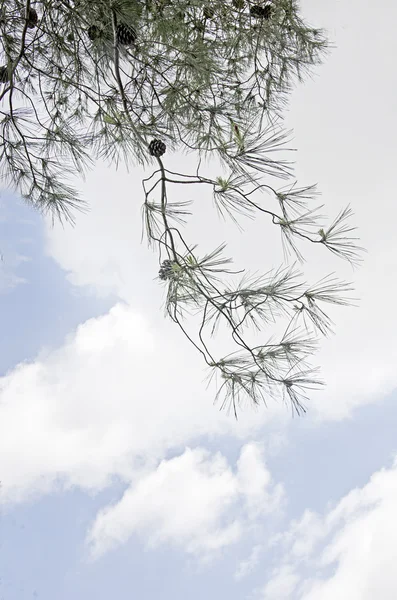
130 80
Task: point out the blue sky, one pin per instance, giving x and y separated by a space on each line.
119 477
44 307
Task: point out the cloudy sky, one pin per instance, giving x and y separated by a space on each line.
118 475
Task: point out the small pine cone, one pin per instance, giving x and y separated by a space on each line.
4 77
268 10
32 18
166 271
208 12
94 32
126 35
238 4
261 12
157 148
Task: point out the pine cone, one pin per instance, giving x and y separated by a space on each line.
94 32
32 18
126 35
261 12
166 271
4 77
157 148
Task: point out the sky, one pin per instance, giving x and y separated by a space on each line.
118 474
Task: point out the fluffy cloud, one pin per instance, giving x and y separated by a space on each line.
115 396
248 565
193 500
347 553
9 263
281 585
254 480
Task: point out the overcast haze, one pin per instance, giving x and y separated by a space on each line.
119 476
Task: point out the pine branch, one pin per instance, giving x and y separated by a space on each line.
131 81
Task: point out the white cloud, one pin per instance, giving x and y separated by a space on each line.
9 281
190 501
281 585
245 567
254 482
349 552
115 396
9 263
181 502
